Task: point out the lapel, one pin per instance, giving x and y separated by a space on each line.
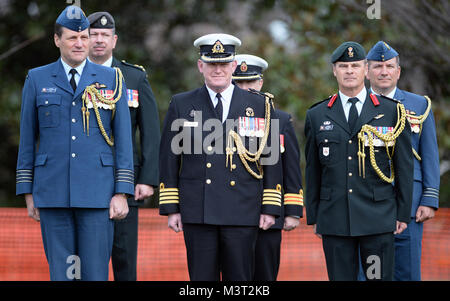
336 113
87 78
204 104
60 77
368 112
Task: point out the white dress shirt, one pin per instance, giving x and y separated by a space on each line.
346 105
226 99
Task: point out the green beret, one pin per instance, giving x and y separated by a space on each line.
101 19
348 52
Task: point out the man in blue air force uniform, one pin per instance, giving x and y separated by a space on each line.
384 73
249 75
75 161
211 187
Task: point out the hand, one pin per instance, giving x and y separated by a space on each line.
33 212
118 207
266 221
290 223
142 191
174 222
315 232
400 227
424 213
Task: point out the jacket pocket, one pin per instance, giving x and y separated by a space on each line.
107 159
383 193
49 110
325 193
329 147
40 160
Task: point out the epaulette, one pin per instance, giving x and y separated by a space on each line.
134 65
392 99
262 93
319 102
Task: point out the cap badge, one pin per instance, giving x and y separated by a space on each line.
350 51
244 67
218 47
249 112
103 20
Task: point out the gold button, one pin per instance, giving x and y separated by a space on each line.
326 140
234 149
233 166
208 165
232 183
350 174
209 148
208 181
349 157
350 190
349 141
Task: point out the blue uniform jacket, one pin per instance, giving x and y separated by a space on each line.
424 142
58 162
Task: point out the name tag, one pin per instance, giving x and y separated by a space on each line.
190 124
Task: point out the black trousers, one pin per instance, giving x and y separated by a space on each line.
267 261
125 244
342 257
214 250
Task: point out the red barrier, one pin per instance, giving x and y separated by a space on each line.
162 255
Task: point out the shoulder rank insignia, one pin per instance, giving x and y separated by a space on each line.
374 99
332 100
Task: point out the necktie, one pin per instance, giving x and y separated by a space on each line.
219 107
72 79
353 114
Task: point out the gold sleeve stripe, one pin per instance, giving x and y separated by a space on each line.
168 202
271 203
274 195
169 198
271 199
271 190
169 189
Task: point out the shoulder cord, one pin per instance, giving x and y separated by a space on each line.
92 94
388 139
243 153
413 119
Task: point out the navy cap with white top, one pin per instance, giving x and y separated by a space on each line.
217 47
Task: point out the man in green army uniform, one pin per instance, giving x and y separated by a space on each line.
144 115
357 146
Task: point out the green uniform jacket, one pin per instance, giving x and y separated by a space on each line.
340 201
145 117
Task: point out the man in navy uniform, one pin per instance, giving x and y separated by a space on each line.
357 144
144 118
384 73
214 186
75 161
249 75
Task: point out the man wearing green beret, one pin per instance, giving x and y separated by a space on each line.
357 145
144 119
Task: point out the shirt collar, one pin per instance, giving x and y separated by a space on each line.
67 68
227 94
108 62
361 96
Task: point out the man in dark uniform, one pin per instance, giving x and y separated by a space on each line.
71 109
214 183
351 165
144 117
384 73
249 75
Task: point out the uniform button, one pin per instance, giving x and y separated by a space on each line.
350 174
209 148
74 120
349 141
73 103
350 191
232 183
46 102
73 137
349 157
208 181
208 165
74 155
326 141
233 166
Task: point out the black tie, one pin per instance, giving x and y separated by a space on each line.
72 79
219 107
353 115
